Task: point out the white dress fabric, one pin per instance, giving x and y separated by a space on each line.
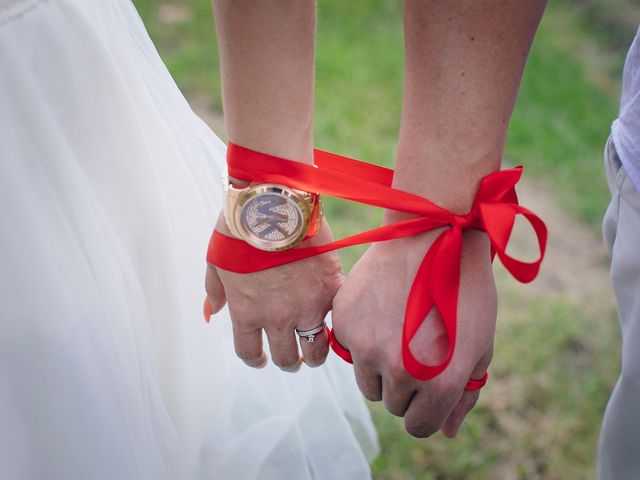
108 194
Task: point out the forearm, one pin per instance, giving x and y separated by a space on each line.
463 65
267 66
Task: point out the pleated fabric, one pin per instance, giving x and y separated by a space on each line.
108 194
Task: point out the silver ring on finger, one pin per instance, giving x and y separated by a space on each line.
311 334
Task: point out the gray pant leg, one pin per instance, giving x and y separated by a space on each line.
619 448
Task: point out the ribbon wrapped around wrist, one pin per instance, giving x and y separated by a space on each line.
437 281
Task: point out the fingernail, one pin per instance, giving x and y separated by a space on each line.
260 363
207 310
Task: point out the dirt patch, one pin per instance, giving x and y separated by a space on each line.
170 13
576 265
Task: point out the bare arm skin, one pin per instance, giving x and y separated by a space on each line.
267 62
267 53
464 62
463 65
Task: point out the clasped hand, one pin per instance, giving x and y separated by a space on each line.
368 312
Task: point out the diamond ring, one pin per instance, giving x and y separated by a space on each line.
310 334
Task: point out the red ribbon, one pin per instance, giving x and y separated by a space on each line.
438 279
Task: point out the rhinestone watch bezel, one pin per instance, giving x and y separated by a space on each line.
296 199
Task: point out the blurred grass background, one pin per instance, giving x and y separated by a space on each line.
556 357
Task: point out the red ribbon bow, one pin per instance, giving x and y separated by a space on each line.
438 279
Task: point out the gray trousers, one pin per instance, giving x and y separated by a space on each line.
619 448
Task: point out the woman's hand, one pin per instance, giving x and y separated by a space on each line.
368 316
279 300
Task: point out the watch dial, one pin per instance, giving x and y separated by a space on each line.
272 217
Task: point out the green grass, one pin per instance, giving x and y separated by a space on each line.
358 95
567 100
563 117
539 415
554 362
185 36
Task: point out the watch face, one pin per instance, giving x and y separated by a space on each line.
273 218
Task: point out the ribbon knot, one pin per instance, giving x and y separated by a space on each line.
437 281
464 221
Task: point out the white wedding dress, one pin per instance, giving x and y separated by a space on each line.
108 194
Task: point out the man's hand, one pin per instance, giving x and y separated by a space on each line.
278 300
368 315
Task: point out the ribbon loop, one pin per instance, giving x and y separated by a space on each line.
499 219
437 281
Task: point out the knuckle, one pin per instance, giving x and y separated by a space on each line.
253 361
257 363
450 386
424 417
370 390
394 409
248 355
366 351
486 360
421 428
243 318
315 363
371 395
469 401
285 360
281 324
396 371
316 358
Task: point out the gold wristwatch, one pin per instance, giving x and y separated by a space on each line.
271 217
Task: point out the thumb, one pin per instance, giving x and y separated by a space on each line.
337 287
216 297
339 307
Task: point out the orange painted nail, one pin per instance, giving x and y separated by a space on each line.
207 310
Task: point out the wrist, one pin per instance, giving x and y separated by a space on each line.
444 171
293 149
475 240
291 144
